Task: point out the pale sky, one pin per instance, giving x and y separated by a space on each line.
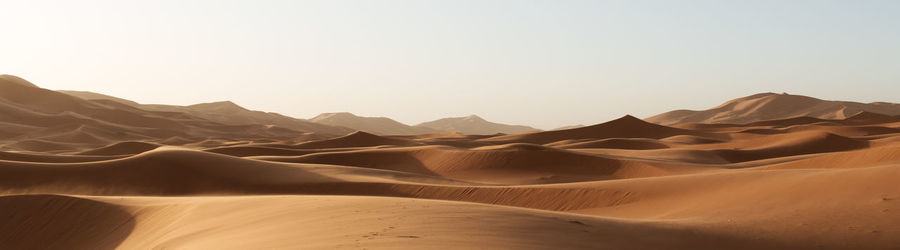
541 63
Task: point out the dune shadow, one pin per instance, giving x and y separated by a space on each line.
61 222
396 161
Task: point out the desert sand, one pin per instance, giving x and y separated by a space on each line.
89 173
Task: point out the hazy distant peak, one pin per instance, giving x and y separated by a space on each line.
334 115
473 118
219 103
376 125
473 124
222 106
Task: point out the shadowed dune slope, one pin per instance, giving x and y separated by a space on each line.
156 172
122 148
511 164
51 158
625 127
780 145
61 222
620 143
355 139
889 155
250 150
283 222
868 118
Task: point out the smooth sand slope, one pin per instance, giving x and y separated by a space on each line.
99 173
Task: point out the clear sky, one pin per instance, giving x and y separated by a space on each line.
540 63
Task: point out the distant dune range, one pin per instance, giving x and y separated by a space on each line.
771 106
80 170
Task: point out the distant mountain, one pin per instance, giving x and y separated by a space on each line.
474 125
374 125
771 106
225 112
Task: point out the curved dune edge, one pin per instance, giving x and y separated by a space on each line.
321 222
504 164
121 148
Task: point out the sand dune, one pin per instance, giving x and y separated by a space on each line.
290 221
251 150
122 148
762 172
43 120
473 125
621 143
61 222
689 139
374 125
625 127
36 157
356 139
723 212
506 164
781 145
771 106
225 112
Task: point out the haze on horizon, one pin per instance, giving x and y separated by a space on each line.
538 63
